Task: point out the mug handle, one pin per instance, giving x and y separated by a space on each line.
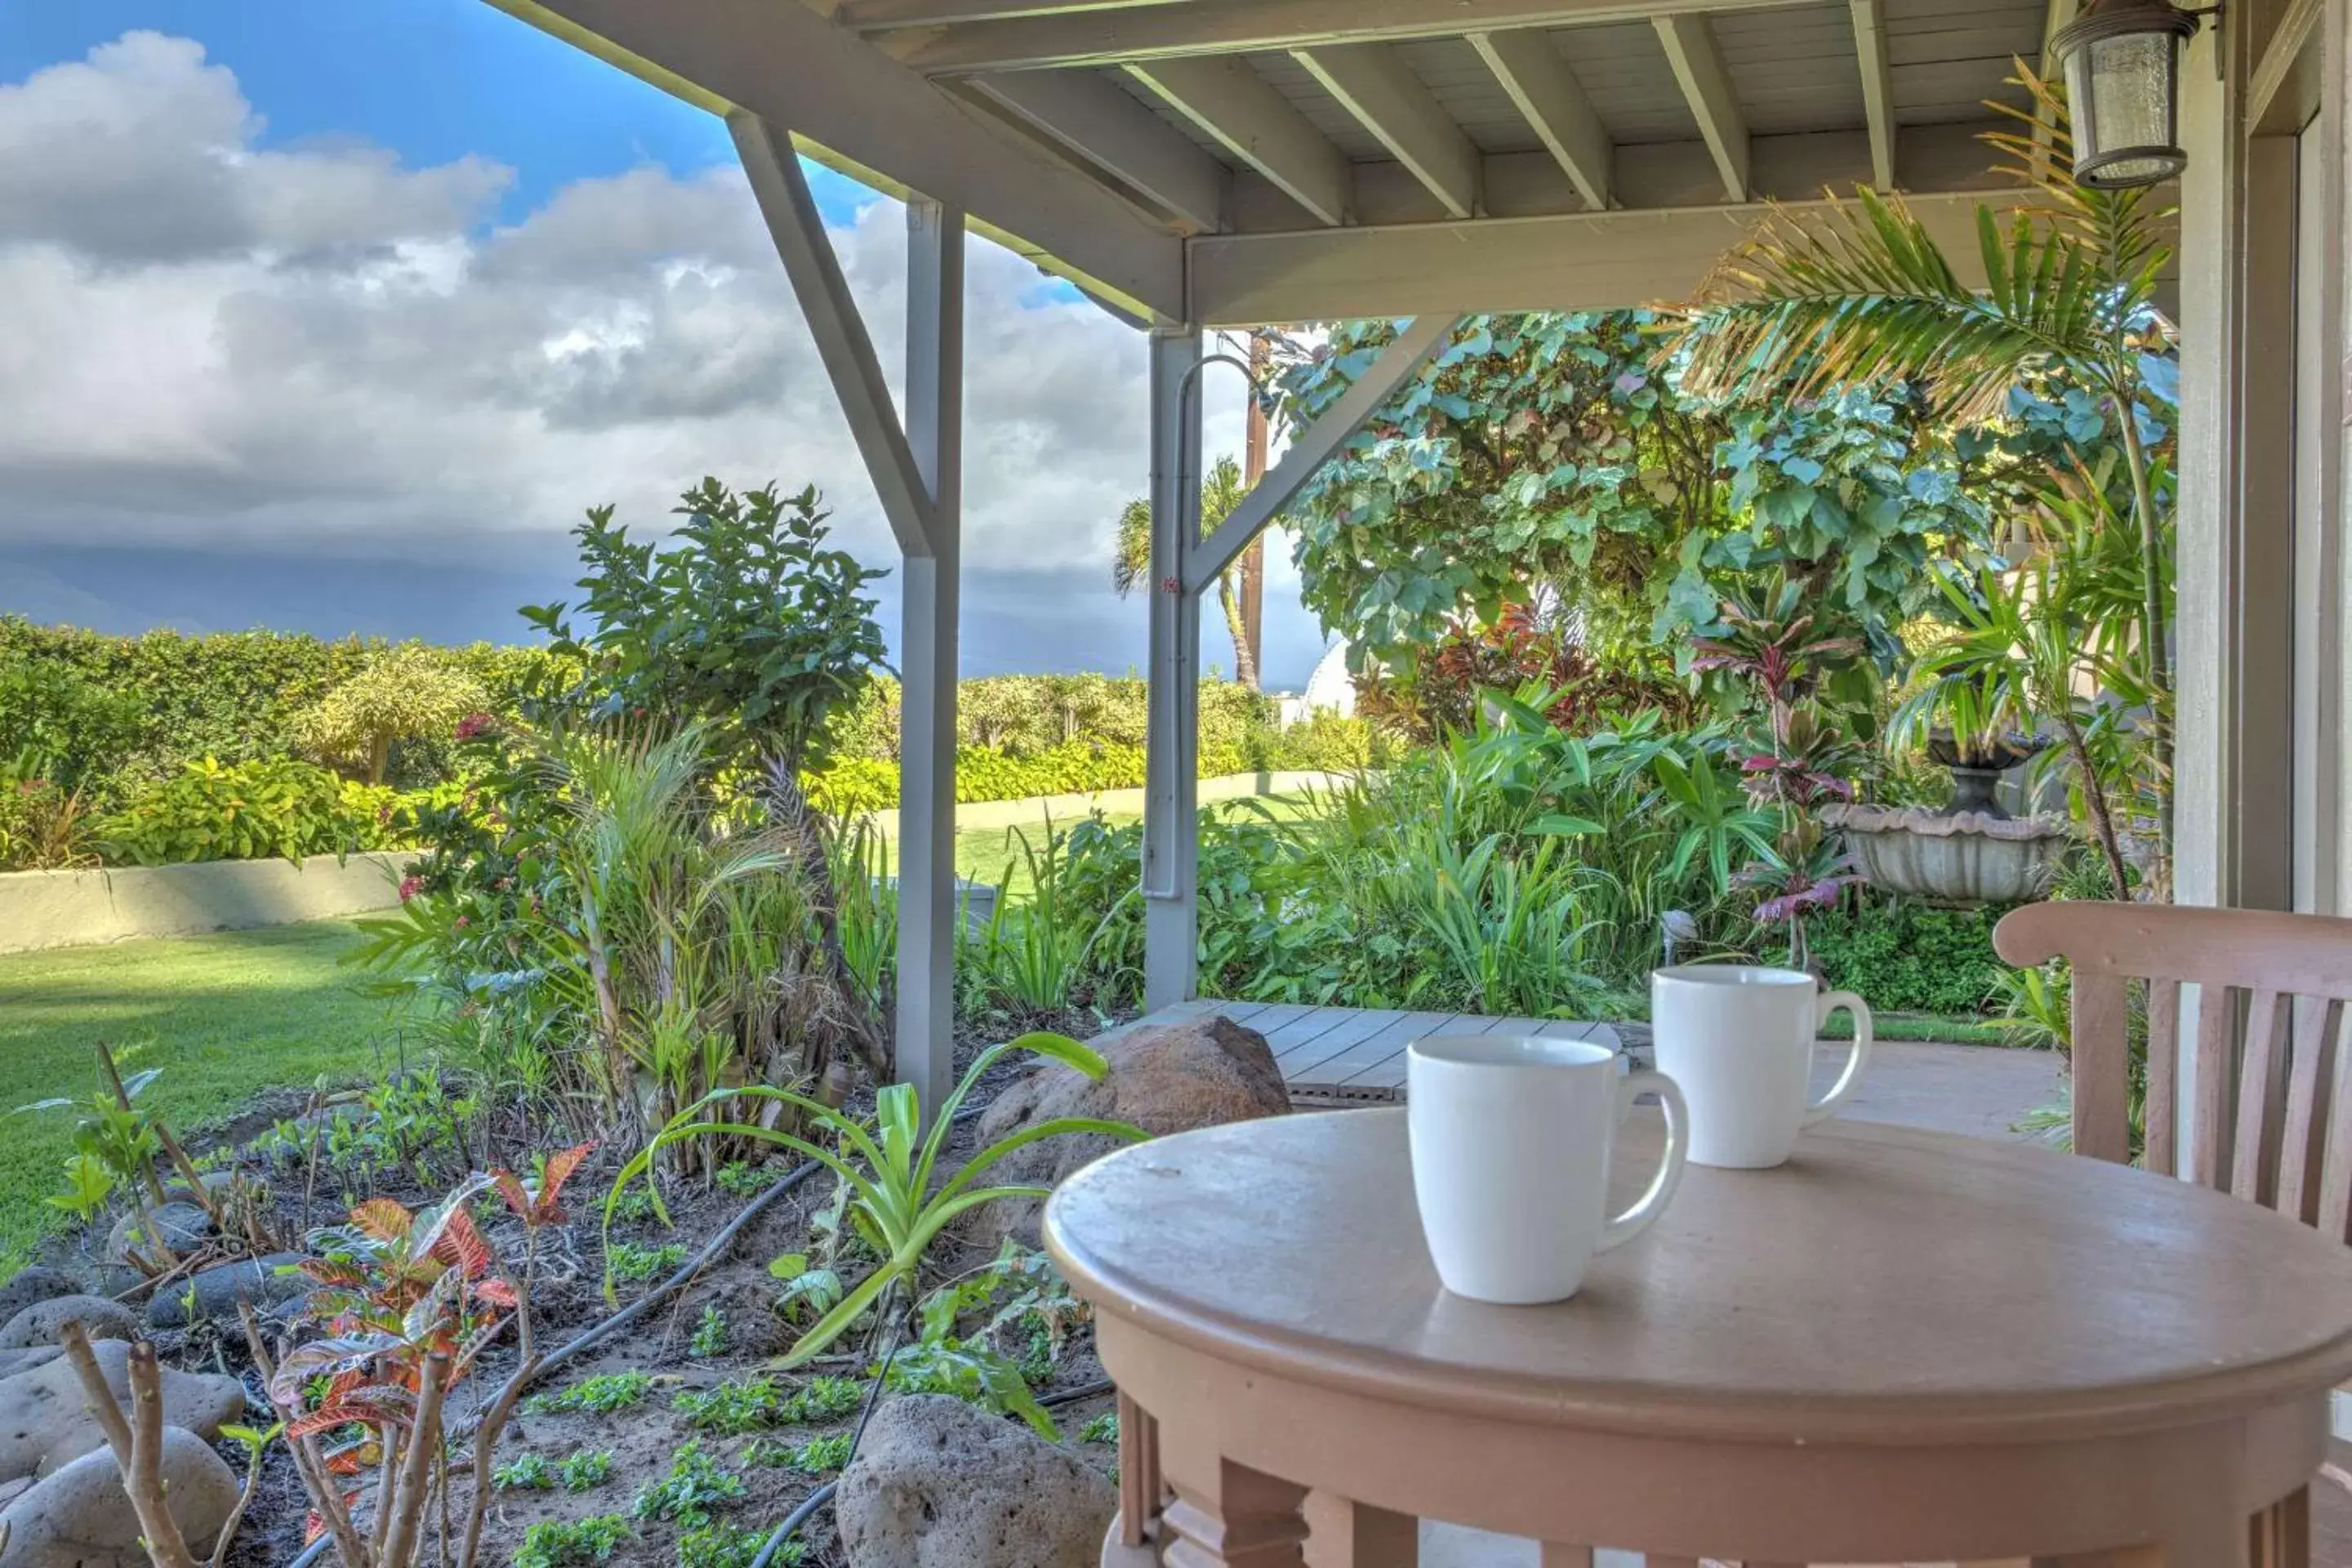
1652 1203
1850 1079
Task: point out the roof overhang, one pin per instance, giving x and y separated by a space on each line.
1228 162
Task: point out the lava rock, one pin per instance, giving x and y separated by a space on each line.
35 1284
213 1292
39 1323
181 1227
1163 1078
45 1425
14 1361
938 1483
79 1517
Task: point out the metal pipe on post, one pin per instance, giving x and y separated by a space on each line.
1170 805
927 658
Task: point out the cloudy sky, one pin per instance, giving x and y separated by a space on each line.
334 315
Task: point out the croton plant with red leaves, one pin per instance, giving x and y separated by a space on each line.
396 1289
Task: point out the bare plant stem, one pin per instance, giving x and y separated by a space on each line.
308 1462
399 1534
244 1502
138 1442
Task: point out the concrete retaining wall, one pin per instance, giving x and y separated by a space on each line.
76 909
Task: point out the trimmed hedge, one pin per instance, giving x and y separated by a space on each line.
866 783
1031 715
233 697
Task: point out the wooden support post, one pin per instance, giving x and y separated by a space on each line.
1170 810
928 659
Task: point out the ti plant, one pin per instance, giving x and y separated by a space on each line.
889 1172
1787 654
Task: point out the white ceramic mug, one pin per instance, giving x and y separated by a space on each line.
1738 1038
1511 1140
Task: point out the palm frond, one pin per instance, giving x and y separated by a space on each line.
1860 292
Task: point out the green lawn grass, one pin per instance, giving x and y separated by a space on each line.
224 1016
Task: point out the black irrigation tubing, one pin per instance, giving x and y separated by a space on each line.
712 1250
794 1521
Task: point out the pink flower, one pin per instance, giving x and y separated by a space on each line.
410 887
463 921
473 724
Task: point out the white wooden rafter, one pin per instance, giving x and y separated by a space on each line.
1096 36
1705 82
1877 87
1091 118
1310 449
851 107
1265 130
1373 82
1554 104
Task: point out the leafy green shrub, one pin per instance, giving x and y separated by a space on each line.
235 696
245 811
563 1544
709 1337
585 1471
407 692
819 1456
731 1408
748 622
725 1546
69 729
696 1485
603 1395
1904 957
525 1472
626 1261
1102 1429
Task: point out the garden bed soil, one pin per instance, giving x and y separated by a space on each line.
568 1301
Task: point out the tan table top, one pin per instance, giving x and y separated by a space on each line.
1889 1285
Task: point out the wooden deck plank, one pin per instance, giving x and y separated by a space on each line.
1360 1025
1303 1031
1381 1043
1361 1047
1389 1072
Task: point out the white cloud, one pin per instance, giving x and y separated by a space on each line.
320 350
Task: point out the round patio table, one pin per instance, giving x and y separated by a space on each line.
1901 1346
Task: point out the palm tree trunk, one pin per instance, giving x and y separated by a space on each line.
2159 662
2095 801
1244 656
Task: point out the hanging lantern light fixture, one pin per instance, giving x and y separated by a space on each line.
2122 59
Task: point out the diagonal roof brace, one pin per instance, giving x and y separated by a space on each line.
1314 447
841 340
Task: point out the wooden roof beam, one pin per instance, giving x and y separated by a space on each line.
1090 117
1375 85
1877 87
1697 62
1265 130
852 107
1553 102
1129 33
870 15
